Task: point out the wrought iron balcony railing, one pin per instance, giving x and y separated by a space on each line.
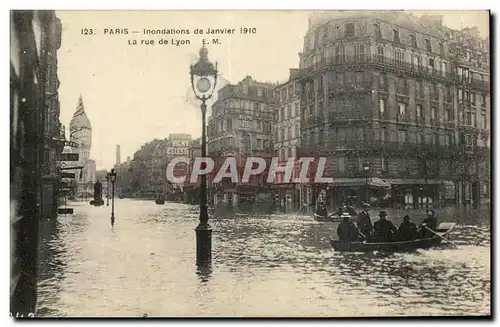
375 61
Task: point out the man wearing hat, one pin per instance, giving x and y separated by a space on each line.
364 221
384 229
346 230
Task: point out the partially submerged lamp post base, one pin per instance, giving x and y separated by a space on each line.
203 245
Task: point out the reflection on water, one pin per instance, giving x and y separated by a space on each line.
263 265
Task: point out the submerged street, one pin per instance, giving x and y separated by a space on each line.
263 265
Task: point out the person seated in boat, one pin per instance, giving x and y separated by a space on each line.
407 230
429 223
347 231
342 209
321 211
384 230
364 222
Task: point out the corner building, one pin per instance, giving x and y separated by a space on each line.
240 126
403 95
287 137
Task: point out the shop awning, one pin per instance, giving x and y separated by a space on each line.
417 181
377 182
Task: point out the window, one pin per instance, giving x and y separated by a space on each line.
376 30
420 138
484 120
473 99
395 35
383 164
359 51
290 132
380 51
282 114
448 139
289 152
382 106
435 92
349 30
435 138
259 92
447 115
413 41
433 113
460 95
441 48
339 53
444 68
341 164
431 62
419 111
383 134
416 60
283 134
402 108
297 110
483 101
290 91
289 112
468 118
402 136
418 89
399 56
259 143
360 134
229 123
428 45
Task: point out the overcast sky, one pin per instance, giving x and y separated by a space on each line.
133 94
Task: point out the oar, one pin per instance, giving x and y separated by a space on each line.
442 237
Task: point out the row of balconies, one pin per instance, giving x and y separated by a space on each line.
320 120
380 62
391 147
246 112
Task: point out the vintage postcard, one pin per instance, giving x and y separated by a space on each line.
250 163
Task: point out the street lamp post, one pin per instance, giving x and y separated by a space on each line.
203 81
107 189
112 176
366 169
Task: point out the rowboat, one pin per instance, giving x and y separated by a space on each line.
399 246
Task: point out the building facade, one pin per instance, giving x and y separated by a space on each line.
192 189
387 98
286 142
80 132
35 142
241 126
177 146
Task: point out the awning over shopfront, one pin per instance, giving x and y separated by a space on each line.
416 181
354 182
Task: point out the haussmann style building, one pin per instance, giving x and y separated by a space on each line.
400 106
240 126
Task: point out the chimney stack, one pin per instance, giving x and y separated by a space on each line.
118 155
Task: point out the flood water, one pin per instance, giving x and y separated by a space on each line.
264 265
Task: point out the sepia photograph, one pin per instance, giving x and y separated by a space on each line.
250 164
